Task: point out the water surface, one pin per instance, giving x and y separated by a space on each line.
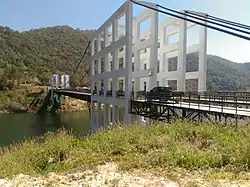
18 127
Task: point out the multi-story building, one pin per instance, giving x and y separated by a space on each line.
125 57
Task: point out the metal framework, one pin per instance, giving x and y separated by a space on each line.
227 107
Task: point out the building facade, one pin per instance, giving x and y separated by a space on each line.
126 58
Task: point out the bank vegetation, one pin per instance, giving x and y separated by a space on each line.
213 151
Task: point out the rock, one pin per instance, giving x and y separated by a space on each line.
51 160
3 182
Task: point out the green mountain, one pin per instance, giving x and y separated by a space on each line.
32 56
223 74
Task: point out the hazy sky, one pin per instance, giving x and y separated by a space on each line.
90 14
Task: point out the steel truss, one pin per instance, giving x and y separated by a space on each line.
162 112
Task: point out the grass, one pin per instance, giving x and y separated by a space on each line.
17 100
158 147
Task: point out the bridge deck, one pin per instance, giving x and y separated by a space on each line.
73 92
193 103
204 107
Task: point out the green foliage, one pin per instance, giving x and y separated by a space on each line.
17 100
222 74
41 52
36 54
156 147
31 57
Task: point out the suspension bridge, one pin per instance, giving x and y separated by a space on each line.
116 57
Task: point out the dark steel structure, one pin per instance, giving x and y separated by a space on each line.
226 107
211 106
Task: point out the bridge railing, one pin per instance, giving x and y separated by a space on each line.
74 90
217 95
222 102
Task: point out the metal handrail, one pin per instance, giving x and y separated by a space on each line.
211 100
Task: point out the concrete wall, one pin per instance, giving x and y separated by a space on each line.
120 45
60 81
101 56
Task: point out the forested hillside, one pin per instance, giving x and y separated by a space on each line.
223 74
32 56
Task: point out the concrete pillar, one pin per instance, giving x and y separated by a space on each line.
162 82
106 85
114 30
92 115
181 81
202 81
99 65
98 43
114 87
106 115
161 50
92 106
128 66
67 81
106 80
115 114
136 57
92 69
105 37
98 116
55 80
153 50
92 46
115 61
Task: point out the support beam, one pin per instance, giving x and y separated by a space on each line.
202 83
153 49
128 63
115 115
181 63
98 116
92 115
106 115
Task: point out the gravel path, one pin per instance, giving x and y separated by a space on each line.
107 176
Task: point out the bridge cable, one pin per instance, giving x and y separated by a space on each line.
195 17
193 21
220 20
78 63
87 72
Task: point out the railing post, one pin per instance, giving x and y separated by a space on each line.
236 102
199 97
189 98
222 104
209 102
180 99
236 120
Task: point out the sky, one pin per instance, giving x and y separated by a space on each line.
90 14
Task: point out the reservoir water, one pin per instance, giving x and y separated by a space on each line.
18 127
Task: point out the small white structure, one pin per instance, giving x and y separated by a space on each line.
64 81
54 81
125 58
60 81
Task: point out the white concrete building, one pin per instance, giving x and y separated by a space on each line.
60 81
124 57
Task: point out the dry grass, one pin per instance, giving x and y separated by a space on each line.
158 147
